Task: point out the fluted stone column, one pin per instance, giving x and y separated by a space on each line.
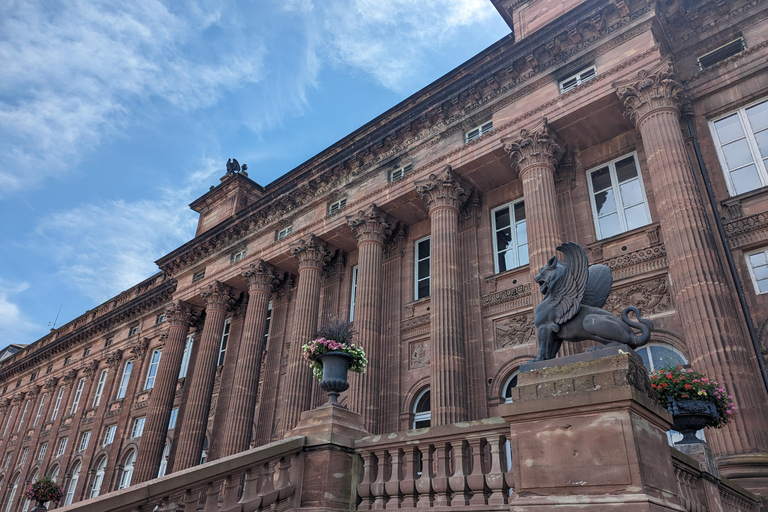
716 337
371 227
261 278
535 156
218 298
311 254
443 195
178 315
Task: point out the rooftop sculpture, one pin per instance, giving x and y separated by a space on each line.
574 295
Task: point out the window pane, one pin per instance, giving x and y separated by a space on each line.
762 142
631 193
605 202
503 239
761 272
502 218
664 358
423 289
423 269
522 255
502 257
509 259
625 169
424 249
519 212
758 116
729 129
636 216
763 285
746 179
601 179
737 154
758 259
609 225
522 233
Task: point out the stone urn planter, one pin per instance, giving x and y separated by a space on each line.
40 507
690 416
334 381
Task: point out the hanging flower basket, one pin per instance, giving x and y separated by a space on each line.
43 491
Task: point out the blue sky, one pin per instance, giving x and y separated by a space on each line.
114 116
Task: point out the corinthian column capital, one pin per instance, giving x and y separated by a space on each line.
370 225
442 189
651 91
217 295
310 251
261 276
178 312
539 147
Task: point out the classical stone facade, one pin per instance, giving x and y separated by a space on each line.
638 129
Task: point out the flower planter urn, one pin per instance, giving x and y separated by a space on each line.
335 367
690 416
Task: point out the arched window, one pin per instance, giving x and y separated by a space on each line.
164 461
125 478
660 355
54 474
73 484
204 454
422 410
508 386
98 479
12 493
28 502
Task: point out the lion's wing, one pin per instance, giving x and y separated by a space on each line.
569 290
599 286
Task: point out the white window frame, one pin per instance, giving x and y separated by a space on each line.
421 416
173 418
154 363
589 71
186 355
137 428
164 460
337 206
284 232
751 268
757 158
127 474
353 295
41 451
24 455
57 404
85 438
73 484
510 207
237 256
109 435
416 261
124 379
478 131
8 421
133 330
78 394
98 479
508 400
23 416
198 276
62 446
224 342
160 318
99 388
400 172
617 194
12 494
39 410
8 457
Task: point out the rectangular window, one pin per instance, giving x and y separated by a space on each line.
138 427
741 138
585 75
39 409
133 330
87 352
722 53
284 232
478 131
618 197
510 236
24 456
57 404
8 421
186 355
23 416
109 434
757 261
197 276
336 207
353 295
109 341
224 339
269 321
62 446
67 360
160 318
78 394
8 459
422 269
174 416
124 380
237 256
84 438
33 376
149 383
99 388
398 174
43 449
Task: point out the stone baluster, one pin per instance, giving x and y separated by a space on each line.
150 454
494 479
212 496
283 485
229 503
443 195
717 340
251 499
392 487
261 278
535 155
476 479
371 227
440 484
268 492
378 486
218 298
364 487
458 480
408 483
424 482
311 254
191 500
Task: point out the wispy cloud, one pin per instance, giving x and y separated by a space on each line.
74 73
15 327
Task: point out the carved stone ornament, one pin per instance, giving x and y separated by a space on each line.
442 189
218 295
69 377
653 296
18 397
370 225
310 251
89 370
649 92
114 359
51 383
35 391
419 354
537 148
395 245
139 349
261 276
515 330
284 291
334 271
178 312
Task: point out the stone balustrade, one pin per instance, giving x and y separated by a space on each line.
461 465
224 485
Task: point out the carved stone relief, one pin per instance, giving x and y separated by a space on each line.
513 331
419 351
652 297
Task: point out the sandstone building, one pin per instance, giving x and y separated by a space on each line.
637 128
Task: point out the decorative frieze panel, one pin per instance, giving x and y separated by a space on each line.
513 331
419 351
507 300
415 326
639 262
747 230
651 297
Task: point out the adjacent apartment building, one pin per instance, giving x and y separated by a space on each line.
636 128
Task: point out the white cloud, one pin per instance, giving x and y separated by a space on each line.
74 73
15 327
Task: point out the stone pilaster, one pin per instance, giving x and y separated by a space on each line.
311 253
218 299
149 457
535 155
443 195
261 278
371 227
717 341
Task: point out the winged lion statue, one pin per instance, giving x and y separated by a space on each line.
574 295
